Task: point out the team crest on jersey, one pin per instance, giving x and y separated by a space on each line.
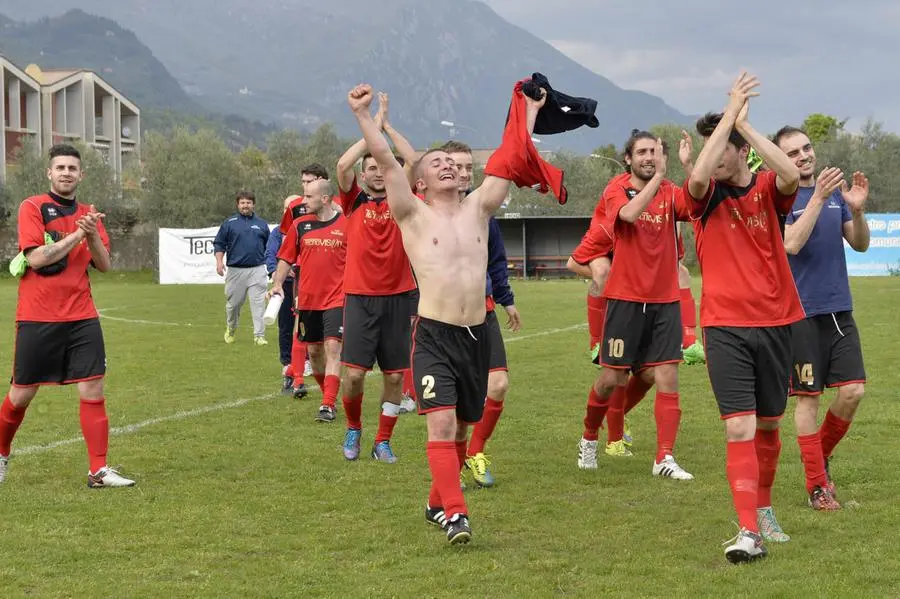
631 193
307 227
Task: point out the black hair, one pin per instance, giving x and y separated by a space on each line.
708 123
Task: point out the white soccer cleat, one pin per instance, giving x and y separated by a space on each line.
587 454
4 464
107 477
670 468
307 369
407 405
745 547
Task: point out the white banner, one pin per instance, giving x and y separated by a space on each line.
187 257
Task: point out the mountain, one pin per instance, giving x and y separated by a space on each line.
293 63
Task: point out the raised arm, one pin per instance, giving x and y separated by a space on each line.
493 190
686 153
797 233
788 175
714 148
632 210
400 198
403 147
354 154
856 230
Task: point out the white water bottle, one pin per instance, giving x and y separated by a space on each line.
272 310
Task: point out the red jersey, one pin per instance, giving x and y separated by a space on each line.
645 256
376 261
319 248
65 296
747 281
295 210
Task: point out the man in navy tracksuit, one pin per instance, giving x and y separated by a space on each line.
243 238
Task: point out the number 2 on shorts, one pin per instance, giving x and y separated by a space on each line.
428 383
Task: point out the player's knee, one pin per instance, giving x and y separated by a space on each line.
354 377
666 378
394 379
852 394
768 424
20 397
498 385
441 425
740 428
91 389
333 349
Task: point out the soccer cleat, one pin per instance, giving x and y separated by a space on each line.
694 354
407 405
300 391
383 453
351 443
326 414
746 546
307 369
626 434
823 501
458 530
107 477
4 464
435 516
769 527
478 465
669 468
587 454
287 385
229 335
260 341
618 449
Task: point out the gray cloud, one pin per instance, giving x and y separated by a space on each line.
836 58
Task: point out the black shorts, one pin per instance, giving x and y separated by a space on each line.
315 326
749 369
58 353
638 335
377 327
450 368
413 303
827 353
497 359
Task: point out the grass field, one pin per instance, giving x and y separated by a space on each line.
241 494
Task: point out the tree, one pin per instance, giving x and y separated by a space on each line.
822 127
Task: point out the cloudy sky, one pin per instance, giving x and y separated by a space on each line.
839 58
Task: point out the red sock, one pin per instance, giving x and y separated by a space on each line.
444 465
596 410
409 390
596 309
95 428
768 448
615 416
832 431
10 420
298 360
743 477
485 427
461 454
688 318
434 496
320 379
386 421
330 389
635 390
668 417
813 461
353 410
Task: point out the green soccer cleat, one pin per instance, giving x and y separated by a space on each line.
694 354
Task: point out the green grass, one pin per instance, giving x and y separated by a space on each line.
256 500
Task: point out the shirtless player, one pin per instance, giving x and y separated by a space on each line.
446 241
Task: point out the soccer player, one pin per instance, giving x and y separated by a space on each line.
642 330
378 282
316 243
58 336
447 244
747 305
243 238
286 312
826 344
499 292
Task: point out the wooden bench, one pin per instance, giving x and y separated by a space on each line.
546 265
514 265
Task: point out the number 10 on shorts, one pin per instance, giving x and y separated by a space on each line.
616 347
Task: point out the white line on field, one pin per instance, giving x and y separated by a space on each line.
131 428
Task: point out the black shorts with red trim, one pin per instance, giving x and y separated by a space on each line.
315 326
377 327
749 369
497 359
58 353
638 335
450 367
827 353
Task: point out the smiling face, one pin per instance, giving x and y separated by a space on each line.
436 171
799 149
642 159
464 168
245 206
65 174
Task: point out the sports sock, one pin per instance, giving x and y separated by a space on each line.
10 420
320 379
831 432
485 427
615 416
386 421
813 461
444 465
742 468
596 309
434 496
298 360
635 390
668 417
768 448
353 410
95 428
461 454
688 318
330 389
409 389
596 410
